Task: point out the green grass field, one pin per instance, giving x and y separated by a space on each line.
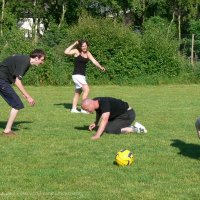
53 157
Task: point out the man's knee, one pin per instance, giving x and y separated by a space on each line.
112 130
18 106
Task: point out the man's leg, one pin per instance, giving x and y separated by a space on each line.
13 100
11 119
124 120
114 126
136 128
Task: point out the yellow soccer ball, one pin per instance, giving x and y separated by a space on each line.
124 157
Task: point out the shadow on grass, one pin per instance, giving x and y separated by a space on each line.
83 128
187 149
65 105
16 126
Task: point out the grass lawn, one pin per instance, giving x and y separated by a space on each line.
53 157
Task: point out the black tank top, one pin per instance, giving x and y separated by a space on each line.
80 65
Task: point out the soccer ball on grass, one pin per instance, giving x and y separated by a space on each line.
124 157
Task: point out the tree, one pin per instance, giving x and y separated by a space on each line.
2 17
183 11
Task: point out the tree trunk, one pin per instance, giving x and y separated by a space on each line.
2 17
143 10
35 26
172 21
192 50
36 31
179 29
63 14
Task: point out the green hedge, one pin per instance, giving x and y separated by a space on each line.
149 57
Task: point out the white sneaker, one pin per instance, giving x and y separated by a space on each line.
84 111
140 128
74 110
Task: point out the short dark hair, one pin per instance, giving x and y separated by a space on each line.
80 43
37 53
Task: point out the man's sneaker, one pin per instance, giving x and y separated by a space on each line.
140 128
74 110
197 124
84 111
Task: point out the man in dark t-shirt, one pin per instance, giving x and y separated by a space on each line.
12 70
113 116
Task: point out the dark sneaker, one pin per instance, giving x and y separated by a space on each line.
9 134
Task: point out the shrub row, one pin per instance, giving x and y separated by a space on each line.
148 57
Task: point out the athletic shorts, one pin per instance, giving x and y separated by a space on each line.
79 81
10 96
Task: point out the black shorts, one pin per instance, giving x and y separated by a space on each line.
10 96
122 121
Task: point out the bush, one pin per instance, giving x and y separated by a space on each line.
160 50
129 58
53 72
115 46
14 42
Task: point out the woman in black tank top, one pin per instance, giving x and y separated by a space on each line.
80 65
79 50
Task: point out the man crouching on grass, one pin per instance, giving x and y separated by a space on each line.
112 116
12 70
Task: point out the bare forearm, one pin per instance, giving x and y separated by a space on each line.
68 49
96 63
20 86
101 128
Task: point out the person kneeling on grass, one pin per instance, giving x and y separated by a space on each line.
114 115
12 70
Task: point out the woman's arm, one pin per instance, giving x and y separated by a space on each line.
70 50
95 62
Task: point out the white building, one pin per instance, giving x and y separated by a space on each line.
27 24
